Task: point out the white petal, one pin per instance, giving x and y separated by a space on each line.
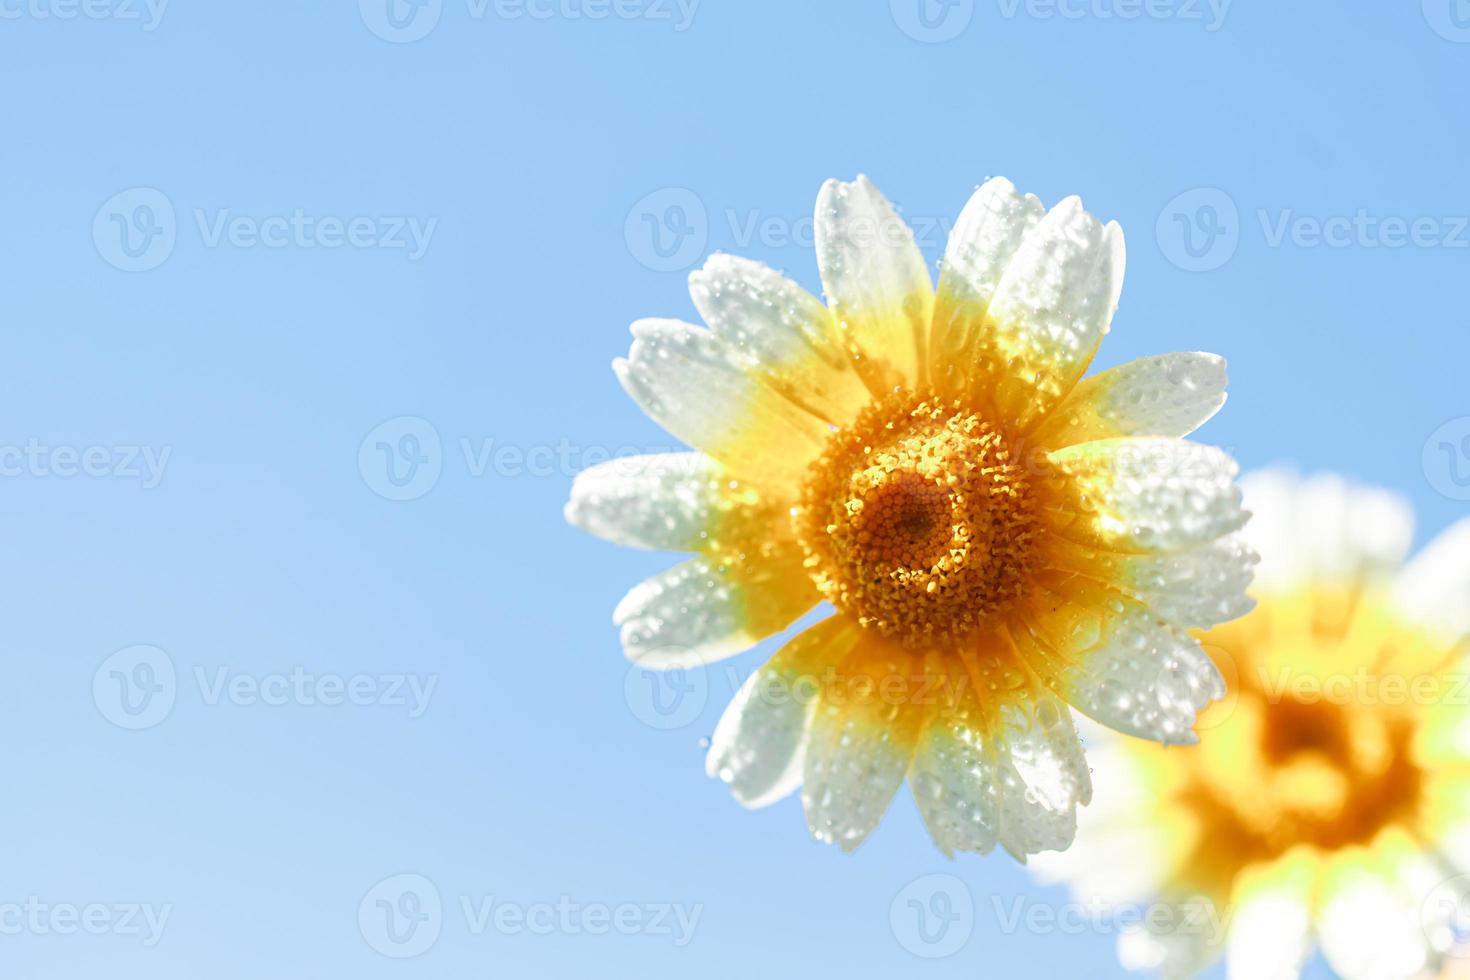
1442 904
784 333
695 386
1197 588
954 784
987 235
1118 857
665 501
851 773
999 761
1370 931
1043 776
1178 939
875 277
698 612
758 746
1147 494
863 736
1168 395
1126 669
1435 586
989 231
1269 937
1323 529
1052 307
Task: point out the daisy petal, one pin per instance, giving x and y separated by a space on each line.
1369 929
953 780
704 610
783 332
954 774
665 501
1049 313
1323 529
1170 395
1177 940
1435 586
1007 768
1114 660
1442 901
1145 495
1043 777
876 280
1197 588
1270 934
990 229
863 736
695 386
1120 856
757 746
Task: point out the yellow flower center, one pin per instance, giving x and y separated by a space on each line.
1323 742
918 519
1334 775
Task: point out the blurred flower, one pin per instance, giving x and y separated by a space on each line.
999 540
1328 801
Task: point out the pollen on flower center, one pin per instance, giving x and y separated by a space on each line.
918 519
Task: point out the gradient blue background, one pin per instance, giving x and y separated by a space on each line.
531 775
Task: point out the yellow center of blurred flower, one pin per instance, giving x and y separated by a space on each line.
918 519
1335 773
1323 743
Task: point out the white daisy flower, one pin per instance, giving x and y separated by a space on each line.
1000 538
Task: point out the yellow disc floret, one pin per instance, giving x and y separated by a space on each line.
918 519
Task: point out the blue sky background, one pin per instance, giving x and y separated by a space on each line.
535 154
